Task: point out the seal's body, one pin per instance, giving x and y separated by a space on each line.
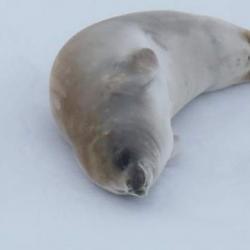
116 85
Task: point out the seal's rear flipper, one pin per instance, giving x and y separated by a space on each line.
246 36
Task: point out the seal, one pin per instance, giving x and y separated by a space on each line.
116 85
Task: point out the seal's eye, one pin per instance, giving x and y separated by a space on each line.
123 158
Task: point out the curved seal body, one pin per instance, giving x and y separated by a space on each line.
116 85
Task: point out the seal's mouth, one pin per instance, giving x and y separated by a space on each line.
139 193
138 183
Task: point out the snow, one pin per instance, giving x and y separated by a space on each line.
202 201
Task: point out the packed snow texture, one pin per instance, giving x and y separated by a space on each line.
202 200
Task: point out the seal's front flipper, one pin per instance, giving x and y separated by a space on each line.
134 73
176 146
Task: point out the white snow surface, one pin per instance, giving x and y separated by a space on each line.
202 200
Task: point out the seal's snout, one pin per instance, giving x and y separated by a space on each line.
137 181
127 161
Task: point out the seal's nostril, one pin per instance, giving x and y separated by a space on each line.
137 179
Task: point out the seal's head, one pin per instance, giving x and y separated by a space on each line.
120 126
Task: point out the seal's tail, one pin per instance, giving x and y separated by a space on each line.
246 36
